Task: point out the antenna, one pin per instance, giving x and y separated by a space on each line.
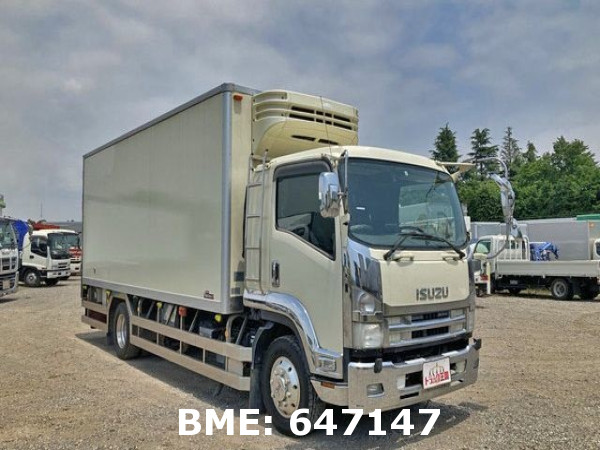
325 124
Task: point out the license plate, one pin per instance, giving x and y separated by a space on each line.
436 373
5 284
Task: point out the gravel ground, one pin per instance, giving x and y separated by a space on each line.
61 387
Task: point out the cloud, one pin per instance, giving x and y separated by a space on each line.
75 75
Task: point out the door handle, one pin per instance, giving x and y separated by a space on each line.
31 256
275 273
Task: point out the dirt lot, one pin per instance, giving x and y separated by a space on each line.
61 387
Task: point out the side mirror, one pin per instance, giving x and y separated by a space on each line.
329 194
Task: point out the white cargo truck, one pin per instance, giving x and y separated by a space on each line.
246 236
9 258
45 258
514 271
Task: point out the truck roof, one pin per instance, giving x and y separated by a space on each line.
359 151
52 230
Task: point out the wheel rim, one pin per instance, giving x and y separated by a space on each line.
285 386
560 289
30 278
121 331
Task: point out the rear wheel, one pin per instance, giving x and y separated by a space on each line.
51 281
121 334
286 385
561 289
32 278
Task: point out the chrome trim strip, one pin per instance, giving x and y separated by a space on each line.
427 324
426 340
403 310
290 307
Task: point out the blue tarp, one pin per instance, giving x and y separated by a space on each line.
541 251
21 229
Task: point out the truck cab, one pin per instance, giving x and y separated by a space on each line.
45 258
9 258
383 281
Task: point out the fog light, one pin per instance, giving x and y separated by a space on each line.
401 382
374 390
460 366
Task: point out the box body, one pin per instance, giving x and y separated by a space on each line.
163 205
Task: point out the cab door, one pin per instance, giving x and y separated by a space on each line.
38 255
304 253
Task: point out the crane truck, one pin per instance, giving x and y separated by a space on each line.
246 236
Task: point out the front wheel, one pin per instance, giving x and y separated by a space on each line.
121 335
32 278
286 385
561 289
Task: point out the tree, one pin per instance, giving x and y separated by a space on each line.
530 154
510 152
569 155
445 146
482 148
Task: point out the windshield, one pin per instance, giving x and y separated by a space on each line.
59 246
7 235
72 240
387 199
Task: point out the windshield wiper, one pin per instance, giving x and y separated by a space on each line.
420 235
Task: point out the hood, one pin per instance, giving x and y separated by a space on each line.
413 277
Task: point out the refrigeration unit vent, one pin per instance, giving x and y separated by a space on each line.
285 122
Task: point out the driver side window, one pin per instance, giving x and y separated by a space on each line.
39 246
483 247
297 211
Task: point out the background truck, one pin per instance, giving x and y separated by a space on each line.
577 240
514 270
45 258
9 258
73 241
245 236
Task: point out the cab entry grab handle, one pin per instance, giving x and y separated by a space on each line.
275 273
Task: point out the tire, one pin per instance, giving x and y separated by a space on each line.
588 292
121 334
284 373
51 281
514 291
32 278
561 289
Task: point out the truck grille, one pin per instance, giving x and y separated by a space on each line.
62 265
9 263
425 328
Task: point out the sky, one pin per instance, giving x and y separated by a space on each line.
76 74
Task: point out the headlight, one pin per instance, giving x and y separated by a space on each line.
367 335
364 303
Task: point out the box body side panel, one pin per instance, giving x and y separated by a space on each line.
153 208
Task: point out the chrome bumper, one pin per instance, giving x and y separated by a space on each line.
397 391
58 273
14 281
